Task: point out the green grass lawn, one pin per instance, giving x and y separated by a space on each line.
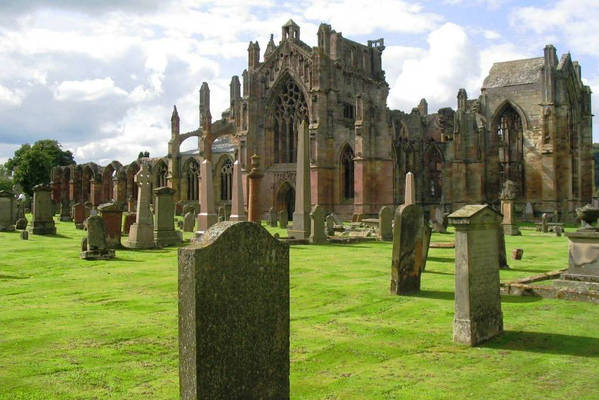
76 329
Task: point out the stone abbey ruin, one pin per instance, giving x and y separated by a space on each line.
530 125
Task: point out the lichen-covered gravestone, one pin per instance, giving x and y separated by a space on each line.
386 223
234 315
272 217
283 219
94 246
407 256
7 211
317 233
189 221
43 223
164 217
478 315
330 224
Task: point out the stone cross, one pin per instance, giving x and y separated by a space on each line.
255 177
478 315
234 315
43 222
385 223
407 257
141 233
207 217
237 207
317 233
301 216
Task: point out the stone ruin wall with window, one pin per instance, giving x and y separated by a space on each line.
531 124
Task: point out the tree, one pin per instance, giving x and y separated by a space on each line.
6 182
32 165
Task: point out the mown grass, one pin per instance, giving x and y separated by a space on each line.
75 329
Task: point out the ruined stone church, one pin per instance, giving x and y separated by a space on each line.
531 124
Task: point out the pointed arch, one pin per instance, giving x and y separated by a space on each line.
507 137
285 199
433 163
223 178
160 172
191 174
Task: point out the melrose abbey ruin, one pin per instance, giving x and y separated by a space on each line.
531 124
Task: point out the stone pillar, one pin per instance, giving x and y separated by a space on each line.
141 235
237 207
407 257
385 223
255 176
317 232
207 216
234 315
478 315
112 214
164 217
7 211
301 216
43 223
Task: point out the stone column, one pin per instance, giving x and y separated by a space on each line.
112 214
43 223
164 217
141 235
478 315
255 175
207 217
300 228
237 207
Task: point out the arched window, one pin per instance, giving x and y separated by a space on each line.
347 173
193 173
508 136
226 180
434 162
289 111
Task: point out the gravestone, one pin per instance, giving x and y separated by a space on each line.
112 214
141 233
207 216
478 315
407 256
21 223
221 216
128 221
78 213
65 211
426 242
189 222
544 223
330 225
529 212
517 254
43 223
234 315
164 217
410 191
300 228
7 211
386 223
283 219
272 217
317 233
24 235
237 206
508 194
131 205
558 230
501 249
439 221
94 246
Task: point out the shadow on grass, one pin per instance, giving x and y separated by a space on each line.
552 343
435 294
527 270
124 259
59 236
441 259
2 276
428 271
520 299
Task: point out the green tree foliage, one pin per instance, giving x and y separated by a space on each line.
6 182
32 165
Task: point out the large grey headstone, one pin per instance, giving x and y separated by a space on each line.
7 211
478 315
234 315
43 222
95 247
164 217
408 255
386 223
317 232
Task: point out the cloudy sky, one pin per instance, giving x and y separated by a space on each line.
101 76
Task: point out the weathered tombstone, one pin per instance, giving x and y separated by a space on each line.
283 219
21 224
7 211
78 213
478 315
385 223
189 222
439 221
128 221
65 211
507 196
131 205
410 191
94 248
317 233
407 256
221 214
207 216
112 214
43 223
426 242
237 207
544 223
141 234
24 235
517 254
558 231
301 216
529 212
20 203
272 217
234 315
330 225
164 218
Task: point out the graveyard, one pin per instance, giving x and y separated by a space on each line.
73 328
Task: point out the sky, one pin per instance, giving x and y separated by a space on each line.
102 76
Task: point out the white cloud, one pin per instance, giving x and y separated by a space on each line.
87 90
10 97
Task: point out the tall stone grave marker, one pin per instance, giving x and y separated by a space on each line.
207 216
507 196
385 223
7 211
65 211
78 213
410 193
272 217
112 214
164 217
94 246
301 216
544 223
317 233
189 221
43 211
283 219
255 178
478 315
407 256
234 315
237 207
141 233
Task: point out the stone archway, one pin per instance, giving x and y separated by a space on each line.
285 199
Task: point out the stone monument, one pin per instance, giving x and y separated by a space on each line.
112 214
207 216
94 246
7 211
478 315
255 177
78 213
164 217
43 221
507 196
237 207
385 223
317 233
272 217
141 234
234 315
300 228
189 221
283 219
407 256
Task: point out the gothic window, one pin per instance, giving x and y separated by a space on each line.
193 172
434 161
289 111
161 175
347 173
348 111
509 139
226 180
